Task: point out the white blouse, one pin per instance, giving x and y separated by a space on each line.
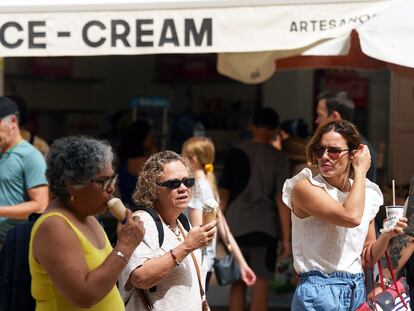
318 245
179 290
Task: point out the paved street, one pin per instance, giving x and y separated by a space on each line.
217 297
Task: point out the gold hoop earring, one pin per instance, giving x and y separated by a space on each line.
72 198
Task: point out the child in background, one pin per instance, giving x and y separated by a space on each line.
200 152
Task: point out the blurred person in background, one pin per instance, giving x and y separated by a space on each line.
338 106
23 185
293 133
72 263
200 152
251 197
28 135
136 145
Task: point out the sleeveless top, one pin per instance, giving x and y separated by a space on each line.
44 291
326 247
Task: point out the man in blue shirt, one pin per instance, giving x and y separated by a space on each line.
23 184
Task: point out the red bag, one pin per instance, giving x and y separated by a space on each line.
395 297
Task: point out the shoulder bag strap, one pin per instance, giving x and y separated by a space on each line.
145 300
374 298
200 284
394 280
226 243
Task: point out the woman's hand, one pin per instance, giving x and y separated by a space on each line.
247 275
132 232
285 250
200 236
397 230
361 159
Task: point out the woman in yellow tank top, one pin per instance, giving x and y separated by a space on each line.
72 263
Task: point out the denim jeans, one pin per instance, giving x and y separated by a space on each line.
318 291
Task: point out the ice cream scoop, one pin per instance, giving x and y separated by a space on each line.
117 209
210 211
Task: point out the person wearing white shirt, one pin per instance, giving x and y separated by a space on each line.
333 221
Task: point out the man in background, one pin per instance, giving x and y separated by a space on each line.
338 106
250 195
35 140
23 184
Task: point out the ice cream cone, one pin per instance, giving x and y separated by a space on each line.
117 209
210 211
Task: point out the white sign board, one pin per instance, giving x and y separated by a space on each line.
247 28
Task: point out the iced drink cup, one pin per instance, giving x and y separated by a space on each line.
117 209
210 211
394 214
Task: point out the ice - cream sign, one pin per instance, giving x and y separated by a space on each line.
65 37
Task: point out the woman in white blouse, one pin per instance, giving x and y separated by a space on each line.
333 220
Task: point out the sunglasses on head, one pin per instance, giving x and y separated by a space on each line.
333 152
176 183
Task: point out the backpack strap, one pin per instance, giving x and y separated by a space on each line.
184 221
15 278
156 218
158 222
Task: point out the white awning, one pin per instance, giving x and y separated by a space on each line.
110 27
386 37
390 36
249 35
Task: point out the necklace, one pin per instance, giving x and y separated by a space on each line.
176 232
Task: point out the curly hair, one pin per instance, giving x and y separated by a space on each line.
76 160
347 129
146 189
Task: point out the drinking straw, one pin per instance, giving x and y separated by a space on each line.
393 192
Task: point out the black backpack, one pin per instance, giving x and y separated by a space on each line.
15 278
158 222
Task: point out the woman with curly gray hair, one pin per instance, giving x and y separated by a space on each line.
72 263
165 276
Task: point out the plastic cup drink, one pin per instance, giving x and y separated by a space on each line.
210 211
117 209
394 214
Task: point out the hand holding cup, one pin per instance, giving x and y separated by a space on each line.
395 220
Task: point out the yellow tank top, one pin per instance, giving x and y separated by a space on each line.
45 293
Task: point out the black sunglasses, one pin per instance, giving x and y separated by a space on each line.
333 152
176 183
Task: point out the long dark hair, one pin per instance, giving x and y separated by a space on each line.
347 129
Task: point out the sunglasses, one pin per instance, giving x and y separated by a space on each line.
333 152
176 183
106 182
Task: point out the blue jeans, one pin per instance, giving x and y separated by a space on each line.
318 291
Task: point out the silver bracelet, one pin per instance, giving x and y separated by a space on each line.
121 255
